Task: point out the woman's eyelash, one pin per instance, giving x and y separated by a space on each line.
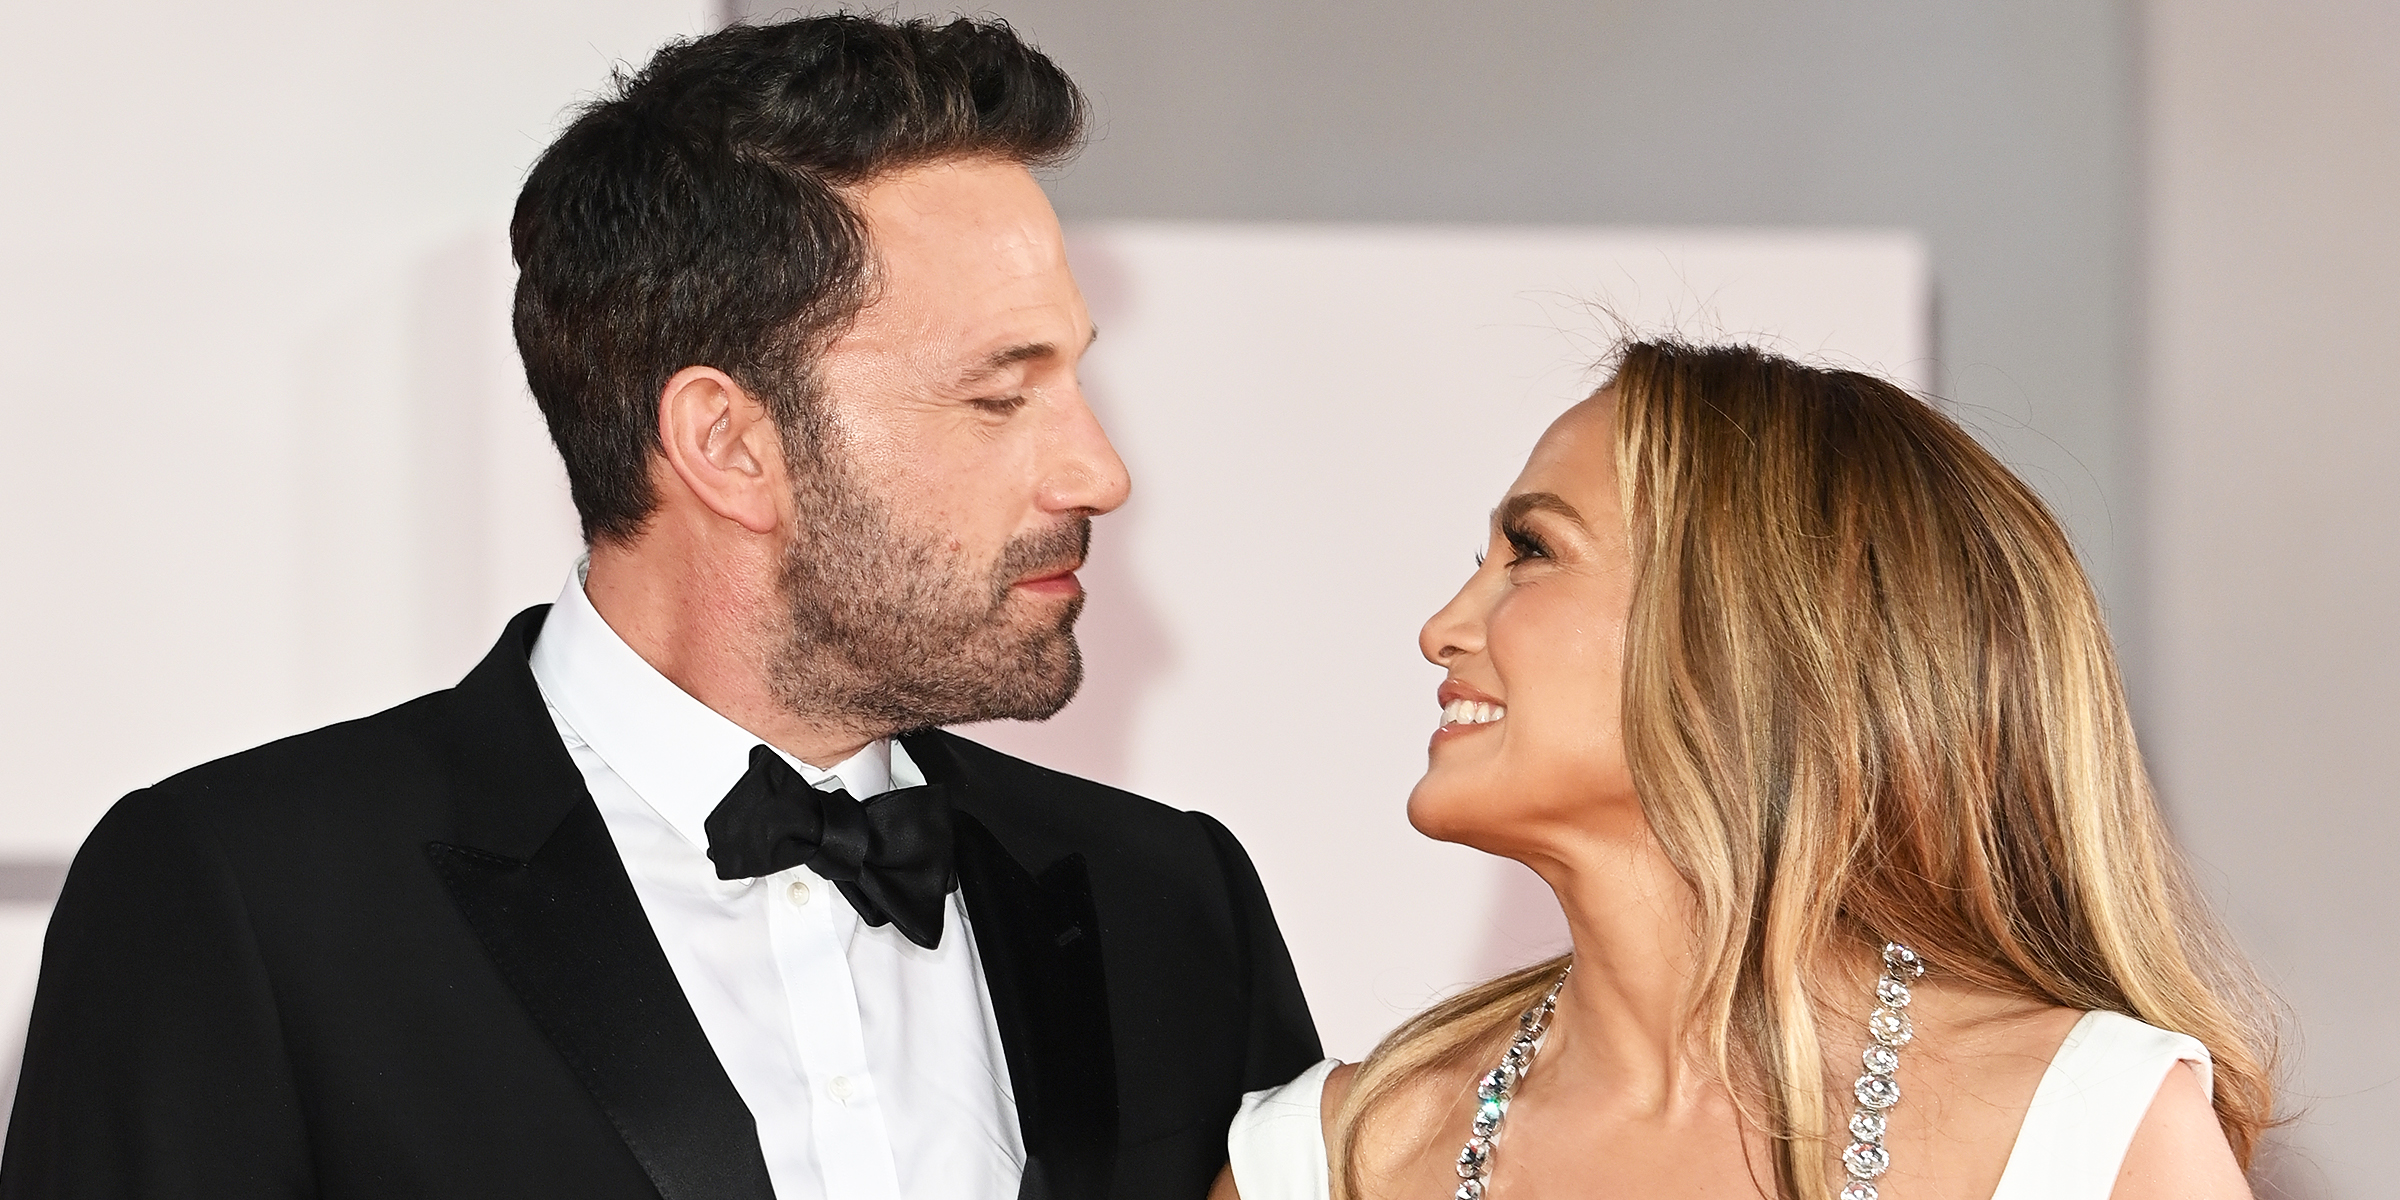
1524 543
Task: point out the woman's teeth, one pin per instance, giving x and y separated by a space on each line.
1471 712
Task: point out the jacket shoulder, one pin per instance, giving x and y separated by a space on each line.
381 753
1025 801
989 767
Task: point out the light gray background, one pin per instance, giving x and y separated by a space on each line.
2162 232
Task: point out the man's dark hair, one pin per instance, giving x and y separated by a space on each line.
696 216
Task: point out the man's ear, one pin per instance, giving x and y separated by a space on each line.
723 445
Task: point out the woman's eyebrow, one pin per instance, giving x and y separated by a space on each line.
1517 506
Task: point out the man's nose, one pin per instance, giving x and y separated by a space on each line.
1085 473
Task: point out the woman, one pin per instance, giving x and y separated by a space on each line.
1801 705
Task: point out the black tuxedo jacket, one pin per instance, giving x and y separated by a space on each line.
400 957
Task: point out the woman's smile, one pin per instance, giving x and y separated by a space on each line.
1466 710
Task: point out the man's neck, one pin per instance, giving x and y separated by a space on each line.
708 630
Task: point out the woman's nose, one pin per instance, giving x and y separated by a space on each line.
1457 629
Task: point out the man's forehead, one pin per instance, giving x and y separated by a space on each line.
959 206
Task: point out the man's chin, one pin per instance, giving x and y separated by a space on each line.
1054 674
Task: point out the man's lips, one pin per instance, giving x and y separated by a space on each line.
1055 583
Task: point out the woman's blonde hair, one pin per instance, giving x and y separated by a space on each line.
1869 695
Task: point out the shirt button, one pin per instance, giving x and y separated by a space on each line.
797 893
839 1085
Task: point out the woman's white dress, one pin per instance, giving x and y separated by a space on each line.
2084 1114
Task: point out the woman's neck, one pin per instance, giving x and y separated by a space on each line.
1623 1014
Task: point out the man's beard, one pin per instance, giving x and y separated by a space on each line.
890 631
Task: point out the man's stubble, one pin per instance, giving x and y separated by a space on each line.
890 630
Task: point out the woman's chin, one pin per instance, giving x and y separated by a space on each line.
1449 810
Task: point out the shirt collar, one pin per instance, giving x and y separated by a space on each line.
679 755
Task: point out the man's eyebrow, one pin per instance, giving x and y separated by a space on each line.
1516 507
1009 356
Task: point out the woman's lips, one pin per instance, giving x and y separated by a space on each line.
1465 707
1465 712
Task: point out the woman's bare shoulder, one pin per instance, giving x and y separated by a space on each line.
1973 1068
2179 1151
1337 1089
1408 1117
1988 1044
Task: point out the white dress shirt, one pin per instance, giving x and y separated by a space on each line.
873 1066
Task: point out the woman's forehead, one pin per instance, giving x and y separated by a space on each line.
1576 456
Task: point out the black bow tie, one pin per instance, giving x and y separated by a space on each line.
890 855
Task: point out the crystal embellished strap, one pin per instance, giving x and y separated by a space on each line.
1877 1090
1494 1089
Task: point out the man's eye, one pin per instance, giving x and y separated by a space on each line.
999 405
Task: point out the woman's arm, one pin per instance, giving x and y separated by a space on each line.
1337 1089
1223 1188
2179 1152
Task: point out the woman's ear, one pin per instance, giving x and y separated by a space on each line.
723 446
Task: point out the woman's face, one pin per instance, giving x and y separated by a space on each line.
1529 754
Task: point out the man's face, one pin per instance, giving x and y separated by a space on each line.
944 501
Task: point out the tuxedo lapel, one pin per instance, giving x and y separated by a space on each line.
1038 936
538 878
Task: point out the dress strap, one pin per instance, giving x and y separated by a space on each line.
1277 1143
2090 1102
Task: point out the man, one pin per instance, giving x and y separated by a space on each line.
682 893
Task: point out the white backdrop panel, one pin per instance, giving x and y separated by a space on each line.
1318 420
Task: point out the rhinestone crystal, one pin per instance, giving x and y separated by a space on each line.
1867 1126
1496 1084
1865 1160
1473 1160
1891 993
1473 1190
1877 1091
1902 961
1881 1059
1890 1027
1858 1189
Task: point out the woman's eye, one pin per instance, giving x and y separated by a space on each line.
1524 545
